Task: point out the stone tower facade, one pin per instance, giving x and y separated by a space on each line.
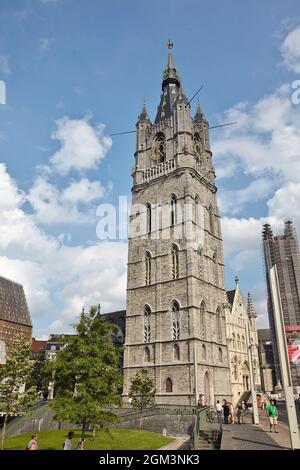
175 321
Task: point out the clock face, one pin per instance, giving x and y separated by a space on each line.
159 150
197 146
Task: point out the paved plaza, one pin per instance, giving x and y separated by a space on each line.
249 436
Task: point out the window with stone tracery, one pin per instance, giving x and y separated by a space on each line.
148 218
173 210
219 324
148 268
202 320
211 220
147 324
175 262
175 321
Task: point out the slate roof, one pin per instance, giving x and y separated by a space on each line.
230 296
13 305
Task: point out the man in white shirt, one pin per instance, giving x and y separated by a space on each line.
219 411
68 443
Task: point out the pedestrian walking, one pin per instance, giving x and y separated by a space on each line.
231 413
219 411
239 414
272 414
226 411
32 445
68 441
80 444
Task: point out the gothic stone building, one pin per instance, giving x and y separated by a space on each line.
175 320
236 316
14 315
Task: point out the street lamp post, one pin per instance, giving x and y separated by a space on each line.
284 359
255 415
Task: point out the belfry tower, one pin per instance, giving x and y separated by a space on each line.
175 322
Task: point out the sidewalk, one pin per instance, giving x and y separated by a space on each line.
256 437
182 442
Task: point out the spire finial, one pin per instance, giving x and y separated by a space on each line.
170 55
99 309
170 44
236 280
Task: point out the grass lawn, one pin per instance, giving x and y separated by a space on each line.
116 439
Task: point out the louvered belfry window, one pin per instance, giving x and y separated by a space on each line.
175 321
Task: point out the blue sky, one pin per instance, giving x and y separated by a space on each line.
70 66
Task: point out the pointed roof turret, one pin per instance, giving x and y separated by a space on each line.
199 115
250 307
171 89
144 113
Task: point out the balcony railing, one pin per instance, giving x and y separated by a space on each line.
159 170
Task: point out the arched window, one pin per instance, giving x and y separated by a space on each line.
235 372
219 324
203 352
159 149
148 268
197 146
176 352
148 218
147 354
147 324
173 210
169 385
200 263
233 341
238 342
243 343
220 355
211 220
202 320
175 321
215 269
175 262
197 206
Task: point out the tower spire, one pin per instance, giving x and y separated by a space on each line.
171 88
170 55
250 307
144 113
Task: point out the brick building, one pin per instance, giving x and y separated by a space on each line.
14 315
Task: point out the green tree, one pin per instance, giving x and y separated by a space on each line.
142 391
13 376
87 374
40 374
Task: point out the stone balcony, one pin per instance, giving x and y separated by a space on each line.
159 170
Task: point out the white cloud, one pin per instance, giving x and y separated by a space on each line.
234 201
54 206
285 203
54 273
10 196
290 50
83 146
83 191
4 65
266 139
